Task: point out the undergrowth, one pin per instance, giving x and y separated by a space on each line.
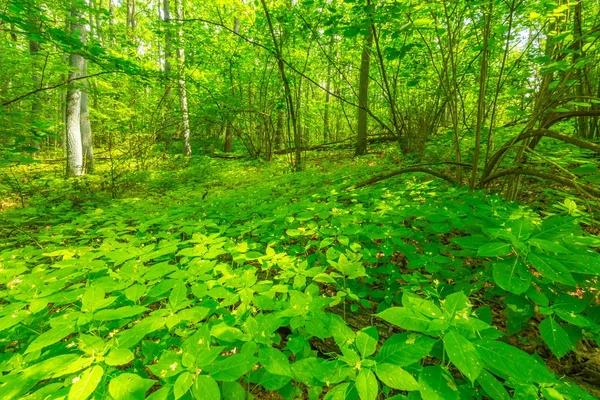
233 279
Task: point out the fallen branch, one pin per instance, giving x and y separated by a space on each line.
228 156
407 170
342 143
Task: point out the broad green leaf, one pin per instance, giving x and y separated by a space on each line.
463 355
366 385
421 305
268 380
456 302
332 371
494 249
575 319
204 357
505 360
232 368
129 387
555 337
119 313
135 292
274 361
339 392
512 275
521 228
50 337
231 391
588 264
557 227
183 384
366 341
161 394
38 305
228 333
437 384
341 333
85 385
548 245
406 318
12 319
395 377
178 294
119 357
492 387
324 278
551 268
21 383
206 388
130 337
404 349
92 298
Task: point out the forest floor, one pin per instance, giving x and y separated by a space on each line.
408 232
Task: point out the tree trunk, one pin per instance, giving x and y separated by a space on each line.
131 15
582 122
363 97
228 146
36 105
287 90
86 128
326 131
73 117
187 148
482 89
279 131
165 134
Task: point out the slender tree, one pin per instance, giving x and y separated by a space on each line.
183 100
287 90
363 97
73 113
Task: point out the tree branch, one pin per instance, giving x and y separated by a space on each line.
424 170
68 81
544 175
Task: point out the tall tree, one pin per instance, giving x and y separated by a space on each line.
73 117
363 97
287 90
86 127
228 146
183 100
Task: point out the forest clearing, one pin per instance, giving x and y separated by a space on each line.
286 199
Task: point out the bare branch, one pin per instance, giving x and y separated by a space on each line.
544 175
407 170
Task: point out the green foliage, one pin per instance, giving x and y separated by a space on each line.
178 297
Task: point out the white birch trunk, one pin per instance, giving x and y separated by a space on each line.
73 117
187 148
86 128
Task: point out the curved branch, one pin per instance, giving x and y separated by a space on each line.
544 175
584 144
555 118
533 133
429 171
68 81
